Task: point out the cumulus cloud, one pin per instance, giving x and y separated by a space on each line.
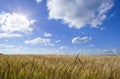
39 40
15 22
47 34
10 23
79 13
81 39
63 47
38 1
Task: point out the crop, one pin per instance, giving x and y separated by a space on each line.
59 67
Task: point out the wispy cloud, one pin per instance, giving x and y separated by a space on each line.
81 39
7 47
8 35
57 41
39 40
113 51
63 47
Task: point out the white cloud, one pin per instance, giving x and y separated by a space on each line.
79 13
47 34
38 40
113 51
10 23
81 40
57 41
38 1
63 47
7 35
15 22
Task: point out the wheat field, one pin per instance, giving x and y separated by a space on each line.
59 67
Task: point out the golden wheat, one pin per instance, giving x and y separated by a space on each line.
59 67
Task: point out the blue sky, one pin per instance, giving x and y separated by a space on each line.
59 26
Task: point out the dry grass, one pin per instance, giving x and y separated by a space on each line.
59 67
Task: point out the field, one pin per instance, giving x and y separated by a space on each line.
59 67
